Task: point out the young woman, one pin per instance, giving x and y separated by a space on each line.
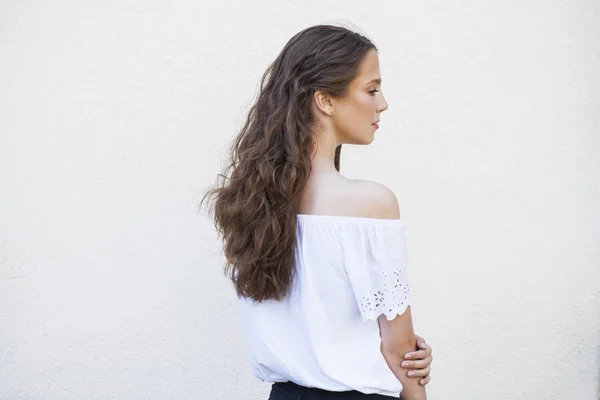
318 260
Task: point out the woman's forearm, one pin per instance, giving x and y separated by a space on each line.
411 390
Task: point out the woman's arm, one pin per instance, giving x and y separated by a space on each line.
397 339
418 363
397 335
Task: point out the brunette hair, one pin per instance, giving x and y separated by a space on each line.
256 197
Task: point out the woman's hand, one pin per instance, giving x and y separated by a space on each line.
419 362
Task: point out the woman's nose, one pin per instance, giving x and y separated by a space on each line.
383 106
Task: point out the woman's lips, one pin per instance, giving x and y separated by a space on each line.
376 125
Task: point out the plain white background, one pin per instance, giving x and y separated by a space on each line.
115 116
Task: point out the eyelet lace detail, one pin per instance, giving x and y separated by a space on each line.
390 299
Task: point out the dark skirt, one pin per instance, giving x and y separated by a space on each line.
292 391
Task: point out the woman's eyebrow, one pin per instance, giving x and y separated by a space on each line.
376 80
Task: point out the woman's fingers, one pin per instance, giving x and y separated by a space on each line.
417 364
414 373
420 361
423 345
419 354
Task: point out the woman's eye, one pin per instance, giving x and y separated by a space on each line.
373 91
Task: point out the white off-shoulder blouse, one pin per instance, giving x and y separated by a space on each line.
325 333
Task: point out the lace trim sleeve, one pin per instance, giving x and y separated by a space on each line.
376 264
391 297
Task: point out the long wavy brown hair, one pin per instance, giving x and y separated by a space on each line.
255 199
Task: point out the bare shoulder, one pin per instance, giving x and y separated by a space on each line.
341 196
375 199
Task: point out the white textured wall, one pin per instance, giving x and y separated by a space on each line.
114 116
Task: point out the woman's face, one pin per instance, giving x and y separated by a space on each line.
356 115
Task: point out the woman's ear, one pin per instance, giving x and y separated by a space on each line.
323 102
